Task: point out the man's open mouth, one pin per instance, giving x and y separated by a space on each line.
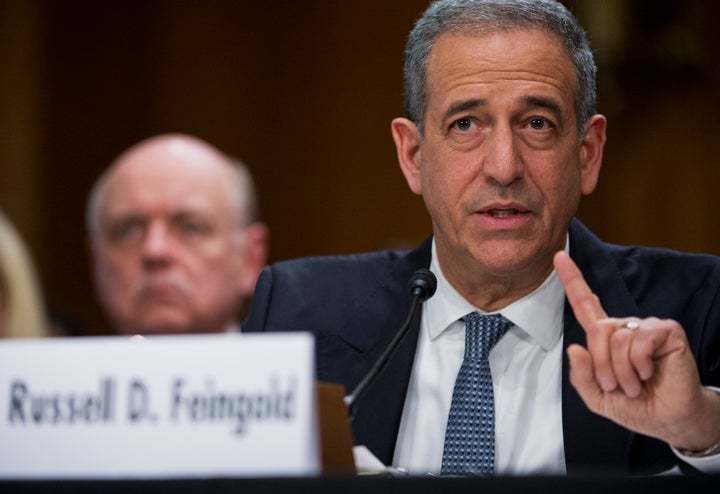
503 213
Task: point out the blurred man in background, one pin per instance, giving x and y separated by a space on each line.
175 238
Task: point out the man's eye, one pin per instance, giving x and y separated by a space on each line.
124 231
463 124
539 123
193 228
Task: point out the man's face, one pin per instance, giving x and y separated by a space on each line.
169 251
501 167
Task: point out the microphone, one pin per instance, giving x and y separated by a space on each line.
422 286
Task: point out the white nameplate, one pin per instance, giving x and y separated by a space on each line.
168 406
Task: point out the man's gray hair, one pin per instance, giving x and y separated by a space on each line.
478 17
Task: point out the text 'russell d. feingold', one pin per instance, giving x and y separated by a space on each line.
182 401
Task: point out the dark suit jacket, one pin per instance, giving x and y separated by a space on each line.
355 304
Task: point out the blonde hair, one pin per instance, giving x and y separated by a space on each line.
22 309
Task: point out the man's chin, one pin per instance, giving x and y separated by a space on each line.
159 324
166 330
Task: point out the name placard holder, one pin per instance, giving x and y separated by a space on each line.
162 407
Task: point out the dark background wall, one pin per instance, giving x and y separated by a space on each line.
303 92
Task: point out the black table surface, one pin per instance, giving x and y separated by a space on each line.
590 484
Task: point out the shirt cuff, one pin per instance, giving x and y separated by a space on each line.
708 463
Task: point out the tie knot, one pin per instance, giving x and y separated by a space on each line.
482 332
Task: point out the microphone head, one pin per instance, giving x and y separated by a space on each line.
423 283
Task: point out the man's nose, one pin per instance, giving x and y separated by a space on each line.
502 162
157 242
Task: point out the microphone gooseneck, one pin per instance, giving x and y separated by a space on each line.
422 286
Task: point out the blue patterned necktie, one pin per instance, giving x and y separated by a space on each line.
470 434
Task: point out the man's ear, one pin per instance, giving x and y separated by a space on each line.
256 242
591 152
407 142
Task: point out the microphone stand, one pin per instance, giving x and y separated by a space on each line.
422 287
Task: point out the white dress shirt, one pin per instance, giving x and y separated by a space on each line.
527 379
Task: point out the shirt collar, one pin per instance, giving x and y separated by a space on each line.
538 314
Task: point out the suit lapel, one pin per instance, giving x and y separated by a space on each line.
378 413
591 441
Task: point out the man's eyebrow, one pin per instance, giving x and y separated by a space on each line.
530 101
540 102
462 106
123 216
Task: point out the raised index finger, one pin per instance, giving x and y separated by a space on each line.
589 313
583 301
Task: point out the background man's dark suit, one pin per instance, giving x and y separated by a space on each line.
355 304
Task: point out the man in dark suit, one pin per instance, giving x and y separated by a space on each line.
501 139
